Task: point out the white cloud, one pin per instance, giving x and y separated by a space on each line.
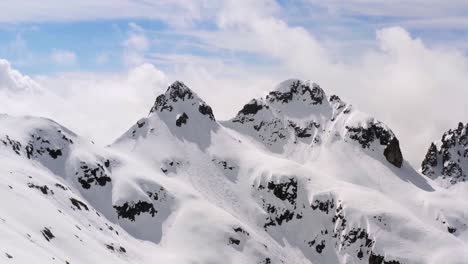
13 81
176 12
81 101
63 57
135 46
395 8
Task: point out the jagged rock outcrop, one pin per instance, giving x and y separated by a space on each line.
447 160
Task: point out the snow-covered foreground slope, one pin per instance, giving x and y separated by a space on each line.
295 177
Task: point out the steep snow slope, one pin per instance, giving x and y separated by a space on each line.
296 177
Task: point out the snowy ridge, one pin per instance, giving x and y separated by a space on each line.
297 117
295 177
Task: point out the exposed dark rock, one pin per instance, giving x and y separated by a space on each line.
320 247
61 186
378 259
140 124
365 136
334 98
234 241
15 145
393 153
299 88
132 209
304 132
356 234
430 161
451 230
182 119
241 230
44 189
375 259
285 190
376 131
47 234
92 174
54 153
175 92
158 195
252 108
323 206
224 164
265 261
38 145
179 91
79 204
161 104
205 109
360 254
110 247
277 215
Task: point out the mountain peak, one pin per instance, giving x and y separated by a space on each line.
295 89
179 91
179 94
183 114
297 115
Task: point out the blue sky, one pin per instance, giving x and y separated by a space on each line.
96 42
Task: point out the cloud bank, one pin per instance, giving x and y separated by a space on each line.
99 107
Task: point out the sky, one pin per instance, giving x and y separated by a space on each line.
96 66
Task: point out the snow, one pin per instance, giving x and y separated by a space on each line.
311 185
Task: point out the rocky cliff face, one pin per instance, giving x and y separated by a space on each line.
447 161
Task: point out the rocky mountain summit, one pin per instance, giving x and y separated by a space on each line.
299 113
295 177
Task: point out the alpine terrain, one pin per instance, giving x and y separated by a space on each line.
298 176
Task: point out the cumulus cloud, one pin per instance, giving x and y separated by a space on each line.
81 101
12 80
417 90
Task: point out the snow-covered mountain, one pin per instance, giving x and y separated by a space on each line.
295 177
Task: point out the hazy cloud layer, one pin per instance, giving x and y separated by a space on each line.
63 57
